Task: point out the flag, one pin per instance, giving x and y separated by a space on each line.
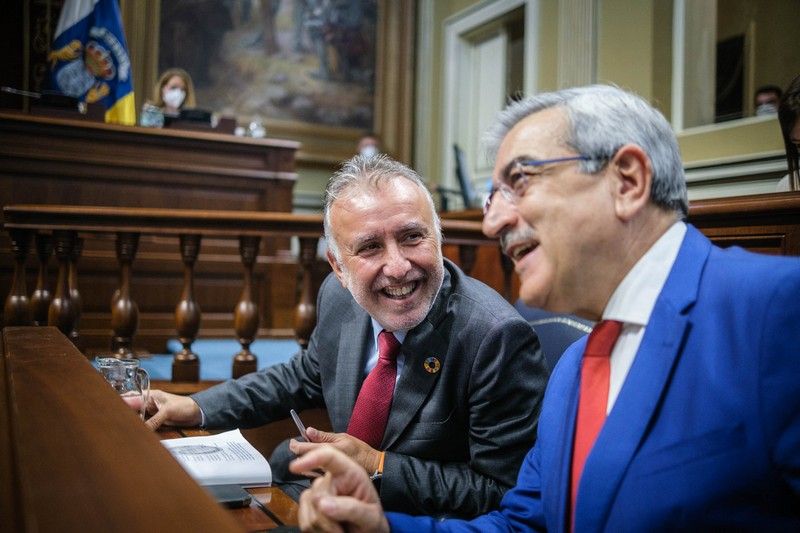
89 59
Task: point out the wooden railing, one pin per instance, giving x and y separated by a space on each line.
63 230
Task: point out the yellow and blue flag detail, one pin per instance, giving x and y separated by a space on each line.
89 59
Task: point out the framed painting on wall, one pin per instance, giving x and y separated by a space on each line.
302 67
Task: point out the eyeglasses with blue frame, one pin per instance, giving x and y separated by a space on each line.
518 177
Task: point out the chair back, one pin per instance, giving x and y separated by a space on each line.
555 331
468 193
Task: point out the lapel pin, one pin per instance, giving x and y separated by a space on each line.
431 365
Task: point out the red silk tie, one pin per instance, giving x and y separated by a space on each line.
371 412
593 400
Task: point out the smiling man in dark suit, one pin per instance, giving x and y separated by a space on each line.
431 380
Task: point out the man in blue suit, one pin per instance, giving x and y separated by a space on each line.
699 422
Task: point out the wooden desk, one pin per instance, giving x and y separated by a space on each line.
73 457
270 507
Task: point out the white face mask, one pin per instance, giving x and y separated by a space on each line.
369 150
174 97
766 109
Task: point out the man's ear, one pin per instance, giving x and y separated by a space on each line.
632 180
337 268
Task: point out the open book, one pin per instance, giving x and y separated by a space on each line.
226 458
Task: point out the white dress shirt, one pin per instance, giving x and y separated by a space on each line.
633 300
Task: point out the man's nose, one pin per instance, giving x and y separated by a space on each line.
397 264
500 217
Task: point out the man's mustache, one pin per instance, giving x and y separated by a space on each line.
511 238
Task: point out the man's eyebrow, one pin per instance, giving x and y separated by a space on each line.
361 240
511 164
413 226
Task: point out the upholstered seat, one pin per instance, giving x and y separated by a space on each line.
556 331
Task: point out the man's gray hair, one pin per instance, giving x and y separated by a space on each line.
601 119
364 171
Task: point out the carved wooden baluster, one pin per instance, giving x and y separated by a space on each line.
41 297
246 312
305 316
62 310
467 253
16 310
185 365
74 293
124 311
507 265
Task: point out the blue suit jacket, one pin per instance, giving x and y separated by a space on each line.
705 433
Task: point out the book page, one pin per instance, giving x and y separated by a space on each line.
221 459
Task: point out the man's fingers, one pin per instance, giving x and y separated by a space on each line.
346 509
155 421
343 476
323 485
315 435
301 448
326 457
341 508
310 518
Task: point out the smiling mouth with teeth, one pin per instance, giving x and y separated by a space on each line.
521 251
400 292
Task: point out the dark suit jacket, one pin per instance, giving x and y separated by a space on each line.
455 438
705 433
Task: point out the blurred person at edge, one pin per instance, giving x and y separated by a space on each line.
789 118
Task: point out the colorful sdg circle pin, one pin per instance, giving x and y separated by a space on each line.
432 365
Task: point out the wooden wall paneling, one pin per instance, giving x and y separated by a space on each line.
766 223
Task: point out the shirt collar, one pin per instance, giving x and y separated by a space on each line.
400 335
633 300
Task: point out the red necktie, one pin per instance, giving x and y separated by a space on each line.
371 412
593 400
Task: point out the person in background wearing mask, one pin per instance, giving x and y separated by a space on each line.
174 91
767 99
369 145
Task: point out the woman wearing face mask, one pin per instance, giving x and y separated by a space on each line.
174 91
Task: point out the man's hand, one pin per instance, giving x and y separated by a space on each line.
357 450
343 499
171 409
